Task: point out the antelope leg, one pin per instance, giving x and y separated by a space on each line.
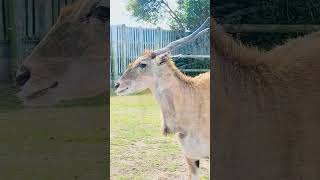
194 169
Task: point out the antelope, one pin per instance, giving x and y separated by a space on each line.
266 110
74 47
184 101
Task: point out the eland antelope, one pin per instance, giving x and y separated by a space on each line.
74 47
266 108
184 100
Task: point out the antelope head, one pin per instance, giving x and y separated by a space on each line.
75 46
145 72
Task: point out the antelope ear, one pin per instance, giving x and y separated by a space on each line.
163 58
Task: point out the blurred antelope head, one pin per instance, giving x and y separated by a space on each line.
75 46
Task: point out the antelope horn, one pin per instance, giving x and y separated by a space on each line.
173 45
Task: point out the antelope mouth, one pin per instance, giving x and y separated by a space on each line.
43 91
122 90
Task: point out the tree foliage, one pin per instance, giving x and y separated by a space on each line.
146 10
267 11
188 16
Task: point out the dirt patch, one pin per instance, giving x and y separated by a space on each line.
151 161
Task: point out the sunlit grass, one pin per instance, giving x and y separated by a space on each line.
138 150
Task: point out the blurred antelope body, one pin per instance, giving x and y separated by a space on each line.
267 103
184 100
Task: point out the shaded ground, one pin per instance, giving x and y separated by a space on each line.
138 150
66 142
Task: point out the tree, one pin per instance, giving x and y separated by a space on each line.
188 16
267 11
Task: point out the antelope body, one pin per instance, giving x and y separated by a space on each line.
184 101
266 109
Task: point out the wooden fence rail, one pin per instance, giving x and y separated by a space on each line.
37 16
23 23
269 28
128 43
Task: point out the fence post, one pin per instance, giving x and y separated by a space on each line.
124 46
16 30
43 14
2 26
114 52
159 38
141 39
111 62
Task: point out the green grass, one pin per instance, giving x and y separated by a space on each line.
8 100
138 150
53 143
145 92
66 142
98 100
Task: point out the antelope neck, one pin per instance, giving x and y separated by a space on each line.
166 93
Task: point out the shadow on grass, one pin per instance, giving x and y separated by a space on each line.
69 141
145 92
9 100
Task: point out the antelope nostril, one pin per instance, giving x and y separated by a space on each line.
117 85
23 76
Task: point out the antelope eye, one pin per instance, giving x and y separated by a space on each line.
102 13
142 65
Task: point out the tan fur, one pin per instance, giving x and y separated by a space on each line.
74 47
281 56
225 45
68 10
184 102
266 111
192 168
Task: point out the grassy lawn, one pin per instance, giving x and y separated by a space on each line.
138 150
67 142
56 143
